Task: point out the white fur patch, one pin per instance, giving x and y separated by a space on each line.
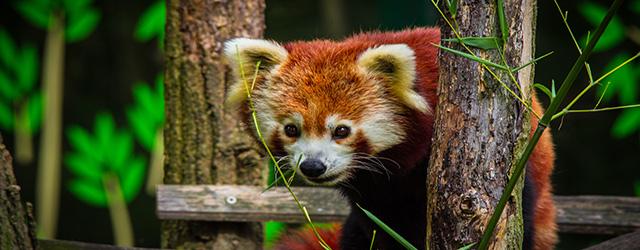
403 74
381 131
246 52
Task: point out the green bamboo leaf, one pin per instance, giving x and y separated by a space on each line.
636 184
28 70
36 14
612 36
89 192
7 48
272 232
151 23
8 90
543 89
473 58
104 131
35 111
387 229
122 148
132 178
627 123
635 7
486 43
81 24
84 167
623 81
6 117
144 97
453 7
467 247
504 30
143 132
75 6
81 141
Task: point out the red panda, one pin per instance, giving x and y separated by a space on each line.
358 114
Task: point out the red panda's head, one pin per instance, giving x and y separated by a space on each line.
329 106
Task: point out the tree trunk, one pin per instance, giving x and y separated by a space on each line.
204 144
16 219
480 129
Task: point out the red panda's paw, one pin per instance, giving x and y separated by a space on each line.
305 239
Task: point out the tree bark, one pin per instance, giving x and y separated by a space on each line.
480 129
16 219
204 144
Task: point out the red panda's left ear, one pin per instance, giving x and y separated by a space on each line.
397 64
243 54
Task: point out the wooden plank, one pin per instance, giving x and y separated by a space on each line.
248 203
628 241
598 214
576 214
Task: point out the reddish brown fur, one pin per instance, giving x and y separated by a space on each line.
319 78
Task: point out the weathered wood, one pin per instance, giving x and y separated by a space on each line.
576 214
75 245
598 214
246 203
630 241
16 219
203 143
478 129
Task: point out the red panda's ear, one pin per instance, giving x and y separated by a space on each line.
396 63
243 54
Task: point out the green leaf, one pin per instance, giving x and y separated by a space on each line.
81 25
623 81
89 192
504 28
272 231
144 97
132 178
36 14
122 148
612 36
35 111
7 88
151 23
635 6
636 188
28 70
85 168
143 132
7 48
467 247
543 89
627 123
387 229
473 58
6 117
486 43
81 141
104 131
453 7
75 6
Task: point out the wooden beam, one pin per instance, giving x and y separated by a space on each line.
627 241
76 245
576 214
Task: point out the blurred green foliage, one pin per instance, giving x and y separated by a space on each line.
622 83
151 23
81 19
146 115
18 75
106 151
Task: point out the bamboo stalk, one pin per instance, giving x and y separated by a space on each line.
120 220
48 180
23 137
156 166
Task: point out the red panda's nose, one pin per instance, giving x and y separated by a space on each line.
312 168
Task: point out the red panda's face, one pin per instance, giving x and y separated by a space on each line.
325 107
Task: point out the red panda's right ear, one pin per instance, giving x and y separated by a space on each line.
243 54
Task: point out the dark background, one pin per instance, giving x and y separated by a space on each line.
100 70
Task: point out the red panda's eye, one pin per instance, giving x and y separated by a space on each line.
291 130
341 132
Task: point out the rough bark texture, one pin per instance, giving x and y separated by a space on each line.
16 218
479 129
204 144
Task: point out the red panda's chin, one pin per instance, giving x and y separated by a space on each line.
330 180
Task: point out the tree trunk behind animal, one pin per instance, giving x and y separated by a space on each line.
16 219
480 128
205 144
